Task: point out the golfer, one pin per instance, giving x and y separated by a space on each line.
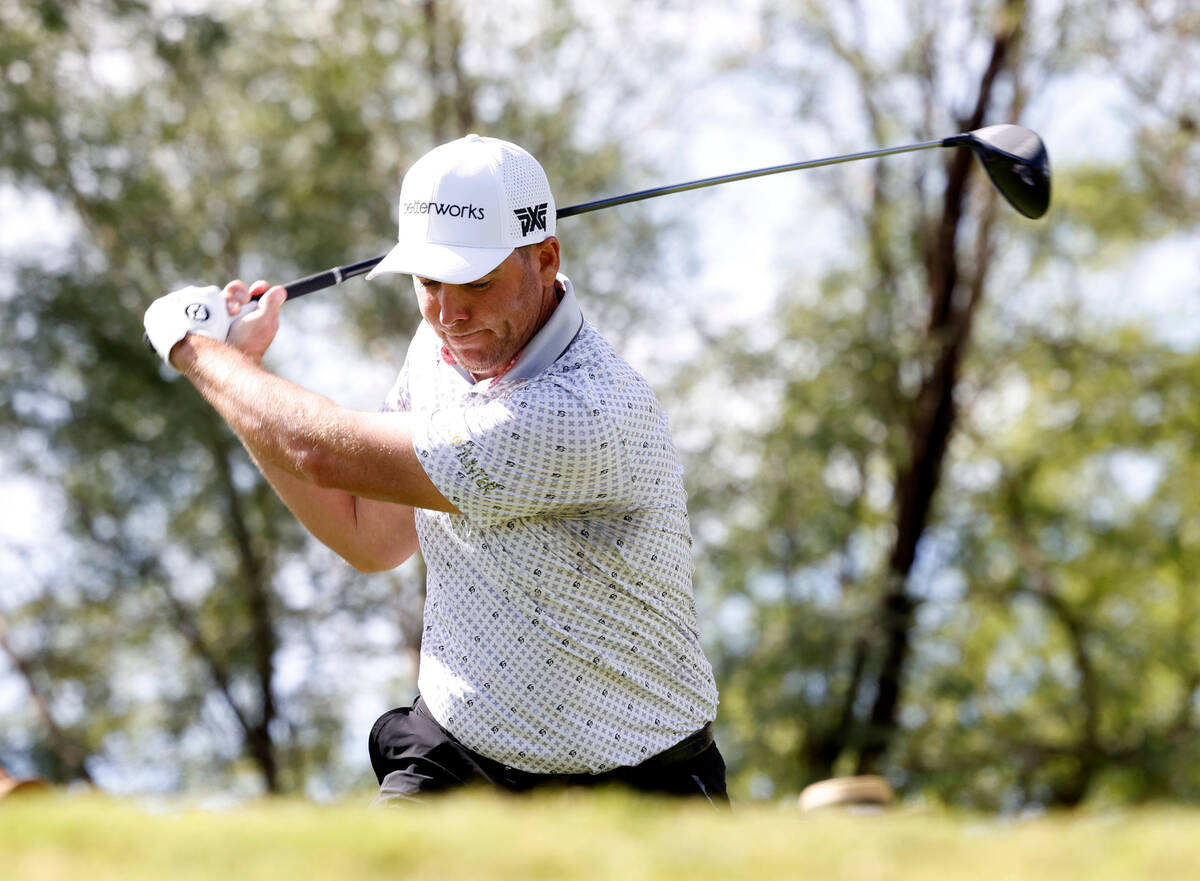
531 466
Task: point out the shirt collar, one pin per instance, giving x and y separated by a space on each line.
543 349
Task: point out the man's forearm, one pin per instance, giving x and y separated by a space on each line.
286 429
265 411
369 455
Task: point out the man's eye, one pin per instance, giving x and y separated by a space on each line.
479 285
428 283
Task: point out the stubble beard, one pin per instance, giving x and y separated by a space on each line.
478 362
500 350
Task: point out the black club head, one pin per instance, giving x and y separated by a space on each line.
1016 161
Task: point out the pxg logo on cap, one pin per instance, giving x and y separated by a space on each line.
533 217
464 207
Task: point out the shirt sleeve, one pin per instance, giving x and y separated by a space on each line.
399 398
538 449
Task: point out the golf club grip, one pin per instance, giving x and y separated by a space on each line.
329 277
315 282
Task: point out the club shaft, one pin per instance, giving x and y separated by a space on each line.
740 175
338 274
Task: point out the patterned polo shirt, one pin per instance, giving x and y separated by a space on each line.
560 628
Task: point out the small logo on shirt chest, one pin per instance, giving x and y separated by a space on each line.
464 452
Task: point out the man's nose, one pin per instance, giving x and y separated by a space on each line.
451 305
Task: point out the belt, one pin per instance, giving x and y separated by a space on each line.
688 748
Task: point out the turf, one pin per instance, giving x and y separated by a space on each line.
575 836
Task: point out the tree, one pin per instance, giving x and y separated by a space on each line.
1067 664
188 627
842 550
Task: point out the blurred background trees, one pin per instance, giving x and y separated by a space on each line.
938 460
958 551
182 626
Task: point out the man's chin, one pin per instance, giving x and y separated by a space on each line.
479 365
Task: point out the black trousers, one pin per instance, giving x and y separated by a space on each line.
413 756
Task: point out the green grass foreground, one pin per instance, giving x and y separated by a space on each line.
576 836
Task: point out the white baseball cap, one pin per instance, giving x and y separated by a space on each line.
464 207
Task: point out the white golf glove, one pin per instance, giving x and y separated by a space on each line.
187 310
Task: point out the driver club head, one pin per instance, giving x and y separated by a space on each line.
1016 161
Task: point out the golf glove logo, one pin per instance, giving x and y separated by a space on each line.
199 310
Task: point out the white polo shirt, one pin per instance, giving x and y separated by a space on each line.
560 631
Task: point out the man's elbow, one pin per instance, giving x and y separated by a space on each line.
372 561
319 466
367 565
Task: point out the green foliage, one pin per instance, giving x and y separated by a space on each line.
1052 649
186 626
230 141
1069 662
1112 209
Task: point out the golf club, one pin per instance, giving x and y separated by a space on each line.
1013 156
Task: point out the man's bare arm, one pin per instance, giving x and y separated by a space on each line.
371 536
307 435
351 478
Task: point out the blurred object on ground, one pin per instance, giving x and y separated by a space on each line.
867 790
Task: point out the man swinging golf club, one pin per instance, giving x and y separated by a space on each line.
534 469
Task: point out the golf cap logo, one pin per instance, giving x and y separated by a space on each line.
444 208
533 217
197 312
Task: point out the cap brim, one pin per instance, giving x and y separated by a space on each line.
449 264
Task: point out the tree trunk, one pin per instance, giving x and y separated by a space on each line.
254 581
70 756
933 415
453 98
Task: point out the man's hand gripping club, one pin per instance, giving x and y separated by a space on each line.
230 316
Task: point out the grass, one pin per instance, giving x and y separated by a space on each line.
576 836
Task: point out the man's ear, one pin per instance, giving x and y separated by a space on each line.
547 259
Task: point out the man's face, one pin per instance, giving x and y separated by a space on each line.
486 322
